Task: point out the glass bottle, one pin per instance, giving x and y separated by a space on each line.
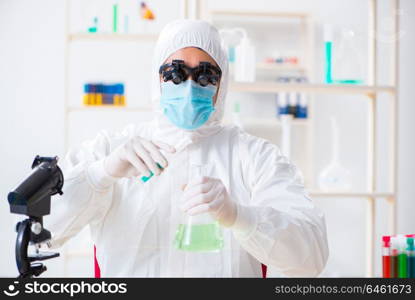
347 60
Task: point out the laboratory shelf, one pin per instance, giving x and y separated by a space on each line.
111 37
108 108
270 122
262 14
272 87
279 67
346 194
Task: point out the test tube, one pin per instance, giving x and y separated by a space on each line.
116 93
394 257
402 258
410 256
302 109
105 94
86 93
93 94
292 102
282 103
98 97
121 94
282 99
386 257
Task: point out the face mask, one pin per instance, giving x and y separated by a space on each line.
187 105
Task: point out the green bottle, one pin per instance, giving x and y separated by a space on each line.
328 45
115 17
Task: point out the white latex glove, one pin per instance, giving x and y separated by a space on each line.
137 157
209 195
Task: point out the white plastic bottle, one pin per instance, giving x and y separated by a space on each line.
245 65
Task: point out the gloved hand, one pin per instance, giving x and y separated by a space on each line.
209 195
137 157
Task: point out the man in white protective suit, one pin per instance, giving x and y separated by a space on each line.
243 182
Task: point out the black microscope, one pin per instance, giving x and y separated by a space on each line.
32 198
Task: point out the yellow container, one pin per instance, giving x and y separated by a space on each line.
98 99
86 99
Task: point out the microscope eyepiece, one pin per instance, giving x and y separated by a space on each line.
32 196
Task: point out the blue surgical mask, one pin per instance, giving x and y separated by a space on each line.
187 105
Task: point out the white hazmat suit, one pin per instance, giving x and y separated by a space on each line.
133 224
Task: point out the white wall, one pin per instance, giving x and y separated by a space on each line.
31 84
406 186
31 117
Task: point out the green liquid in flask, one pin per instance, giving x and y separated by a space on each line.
199 237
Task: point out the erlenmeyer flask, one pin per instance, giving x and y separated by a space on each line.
335 177
199 233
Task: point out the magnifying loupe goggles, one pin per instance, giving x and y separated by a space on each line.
176 71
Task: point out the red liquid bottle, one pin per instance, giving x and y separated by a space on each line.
386 257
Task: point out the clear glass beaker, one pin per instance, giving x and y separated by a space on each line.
199 233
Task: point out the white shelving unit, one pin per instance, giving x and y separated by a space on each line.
303 24
371 91
270 87
107 108
70 37
279 68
